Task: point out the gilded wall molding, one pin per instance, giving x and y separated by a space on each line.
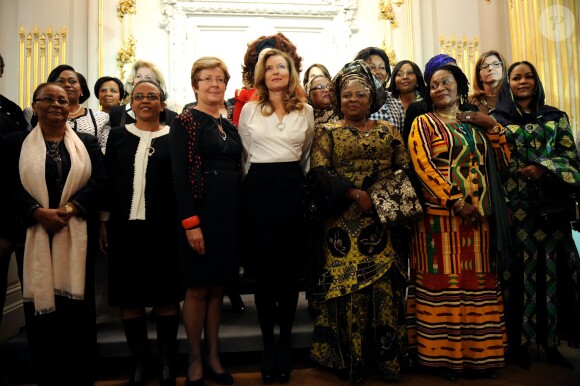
126 54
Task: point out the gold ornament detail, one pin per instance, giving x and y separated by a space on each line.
126 55
386 12
126 7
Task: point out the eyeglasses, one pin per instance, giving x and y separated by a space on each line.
50 100
210 80
494 65
320 87
150 97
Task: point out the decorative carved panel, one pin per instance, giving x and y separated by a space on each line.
321 29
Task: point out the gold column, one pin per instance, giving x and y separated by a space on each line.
35 52
28 65
386 12
56 49
38 52
43 56
464 51
49 49
126 54
63 34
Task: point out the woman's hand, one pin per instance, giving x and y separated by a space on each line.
361 197
195 239
364 201
532 172
103 238
52 220
471 215
476 118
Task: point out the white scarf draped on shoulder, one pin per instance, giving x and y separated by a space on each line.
57 269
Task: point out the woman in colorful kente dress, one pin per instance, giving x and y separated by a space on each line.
455 309
541 288
359 296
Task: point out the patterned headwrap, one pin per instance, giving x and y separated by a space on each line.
436 62
357 71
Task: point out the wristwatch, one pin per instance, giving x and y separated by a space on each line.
69 209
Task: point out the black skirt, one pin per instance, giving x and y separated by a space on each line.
143 264
218 212
272 202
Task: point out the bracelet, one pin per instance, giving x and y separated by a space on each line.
190 222
458 205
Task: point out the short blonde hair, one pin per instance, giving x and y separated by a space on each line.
131 78
296 97
207 62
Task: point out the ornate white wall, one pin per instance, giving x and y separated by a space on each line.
174 33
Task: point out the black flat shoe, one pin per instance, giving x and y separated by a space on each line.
197 382
448 374
520 356
555 357
224 378
283 376
268 377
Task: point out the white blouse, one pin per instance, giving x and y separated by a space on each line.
269 140
144 150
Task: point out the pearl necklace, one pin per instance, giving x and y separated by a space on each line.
76 112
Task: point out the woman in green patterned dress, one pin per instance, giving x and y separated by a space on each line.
359 295
541 285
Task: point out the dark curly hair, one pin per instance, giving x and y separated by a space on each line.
421 88
282 43
366 53
460 78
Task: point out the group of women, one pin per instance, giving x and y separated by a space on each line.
183 200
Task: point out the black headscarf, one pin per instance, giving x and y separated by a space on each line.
358 71
507 111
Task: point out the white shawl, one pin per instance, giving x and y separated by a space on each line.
58 270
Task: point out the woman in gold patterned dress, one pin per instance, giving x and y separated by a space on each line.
359 295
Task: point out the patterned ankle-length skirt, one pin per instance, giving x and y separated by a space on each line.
455 314
363 333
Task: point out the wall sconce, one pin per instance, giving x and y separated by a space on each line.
398 3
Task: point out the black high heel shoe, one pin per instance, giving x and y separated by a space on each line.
238 305
283 375
224 378
268 377
197 382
